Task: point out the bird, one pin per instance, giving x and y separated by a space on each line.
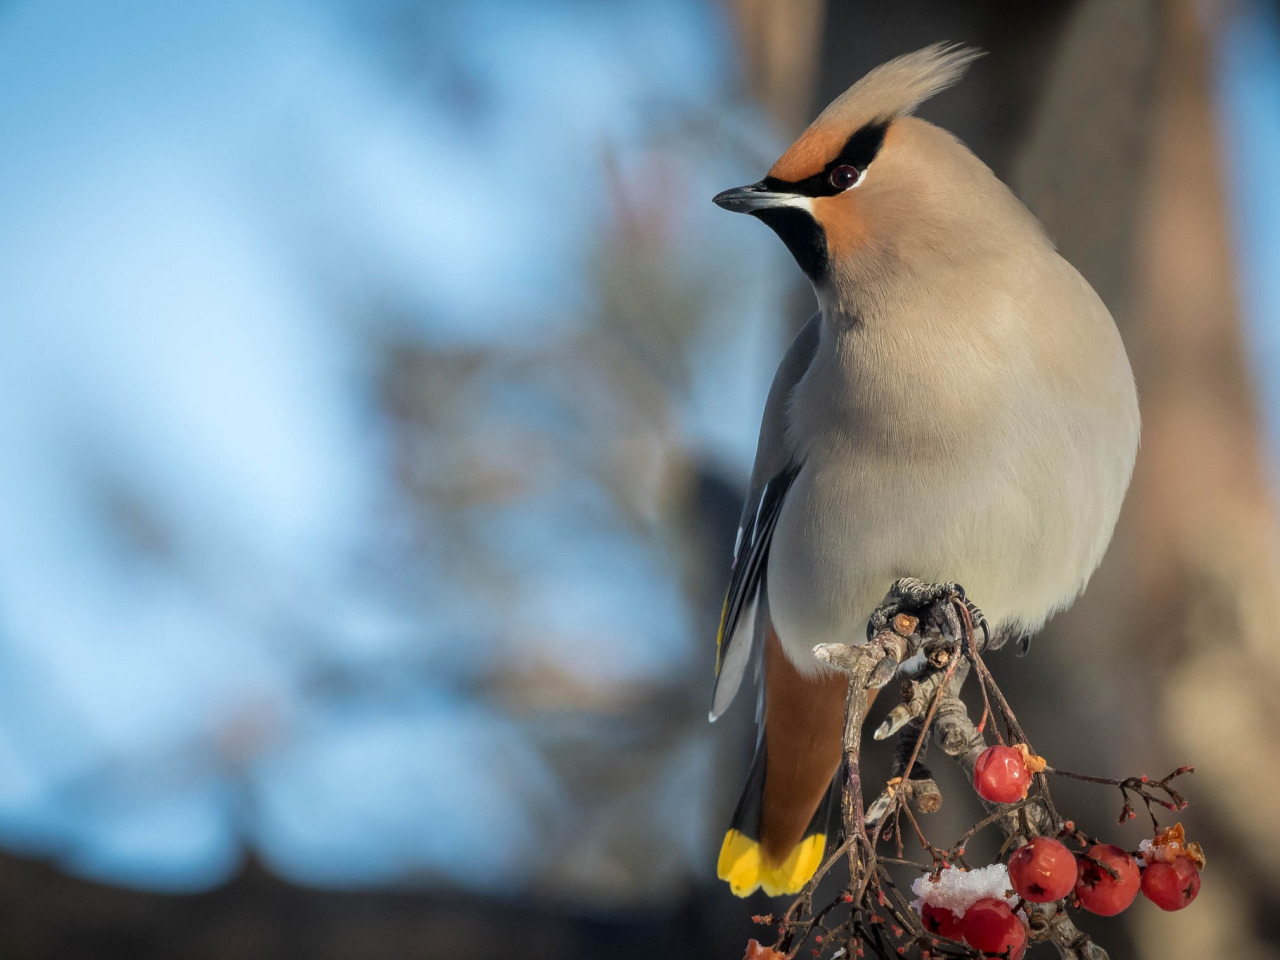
960 409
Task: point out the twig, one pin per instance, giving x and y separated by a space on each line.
1141 787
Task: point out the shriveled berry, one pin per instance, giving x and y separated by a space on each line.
1043 870
1171 886
1001 775
941 921
1107 879
990 926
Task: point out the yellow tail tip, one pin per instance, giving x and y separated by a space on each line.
742 863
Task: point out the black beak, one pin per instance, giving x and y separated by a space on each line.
753 197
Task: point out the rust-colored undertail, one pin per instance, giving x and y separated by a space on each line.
791 803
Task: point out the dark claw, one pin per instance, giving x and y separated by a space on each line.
878 809
979 620
882 674
898 718
875 623
1024 644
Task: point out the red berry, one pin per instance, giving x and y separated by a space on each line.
990 926
941 921
1099 891
1043 870
1171 886
1001 775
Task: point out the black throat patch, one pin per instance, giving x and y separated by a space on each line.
803 237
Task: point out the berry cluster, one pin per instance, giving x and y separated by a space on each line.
1102 878
1105 879
961 910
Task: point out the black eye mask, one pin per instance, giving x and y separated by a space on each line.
858 152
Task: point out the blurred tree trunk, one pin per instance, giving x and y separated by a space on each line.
1171 648
1208 571
990 109
778 45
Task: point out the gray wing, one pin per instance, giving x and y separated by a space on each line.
742 621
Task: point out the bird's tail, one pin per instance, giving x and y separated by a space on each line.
745 859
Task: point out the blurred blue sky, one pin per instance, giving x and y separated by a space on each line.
1249 95
202 204
199 200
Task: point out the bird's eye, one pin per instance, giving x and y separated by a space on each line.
844 176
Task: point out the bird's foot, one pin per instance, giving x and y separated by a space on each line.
910 596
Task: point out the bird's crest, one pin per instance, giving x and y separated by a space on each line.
888 92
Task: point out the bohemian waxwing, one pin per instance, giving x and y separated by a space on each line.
960 409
